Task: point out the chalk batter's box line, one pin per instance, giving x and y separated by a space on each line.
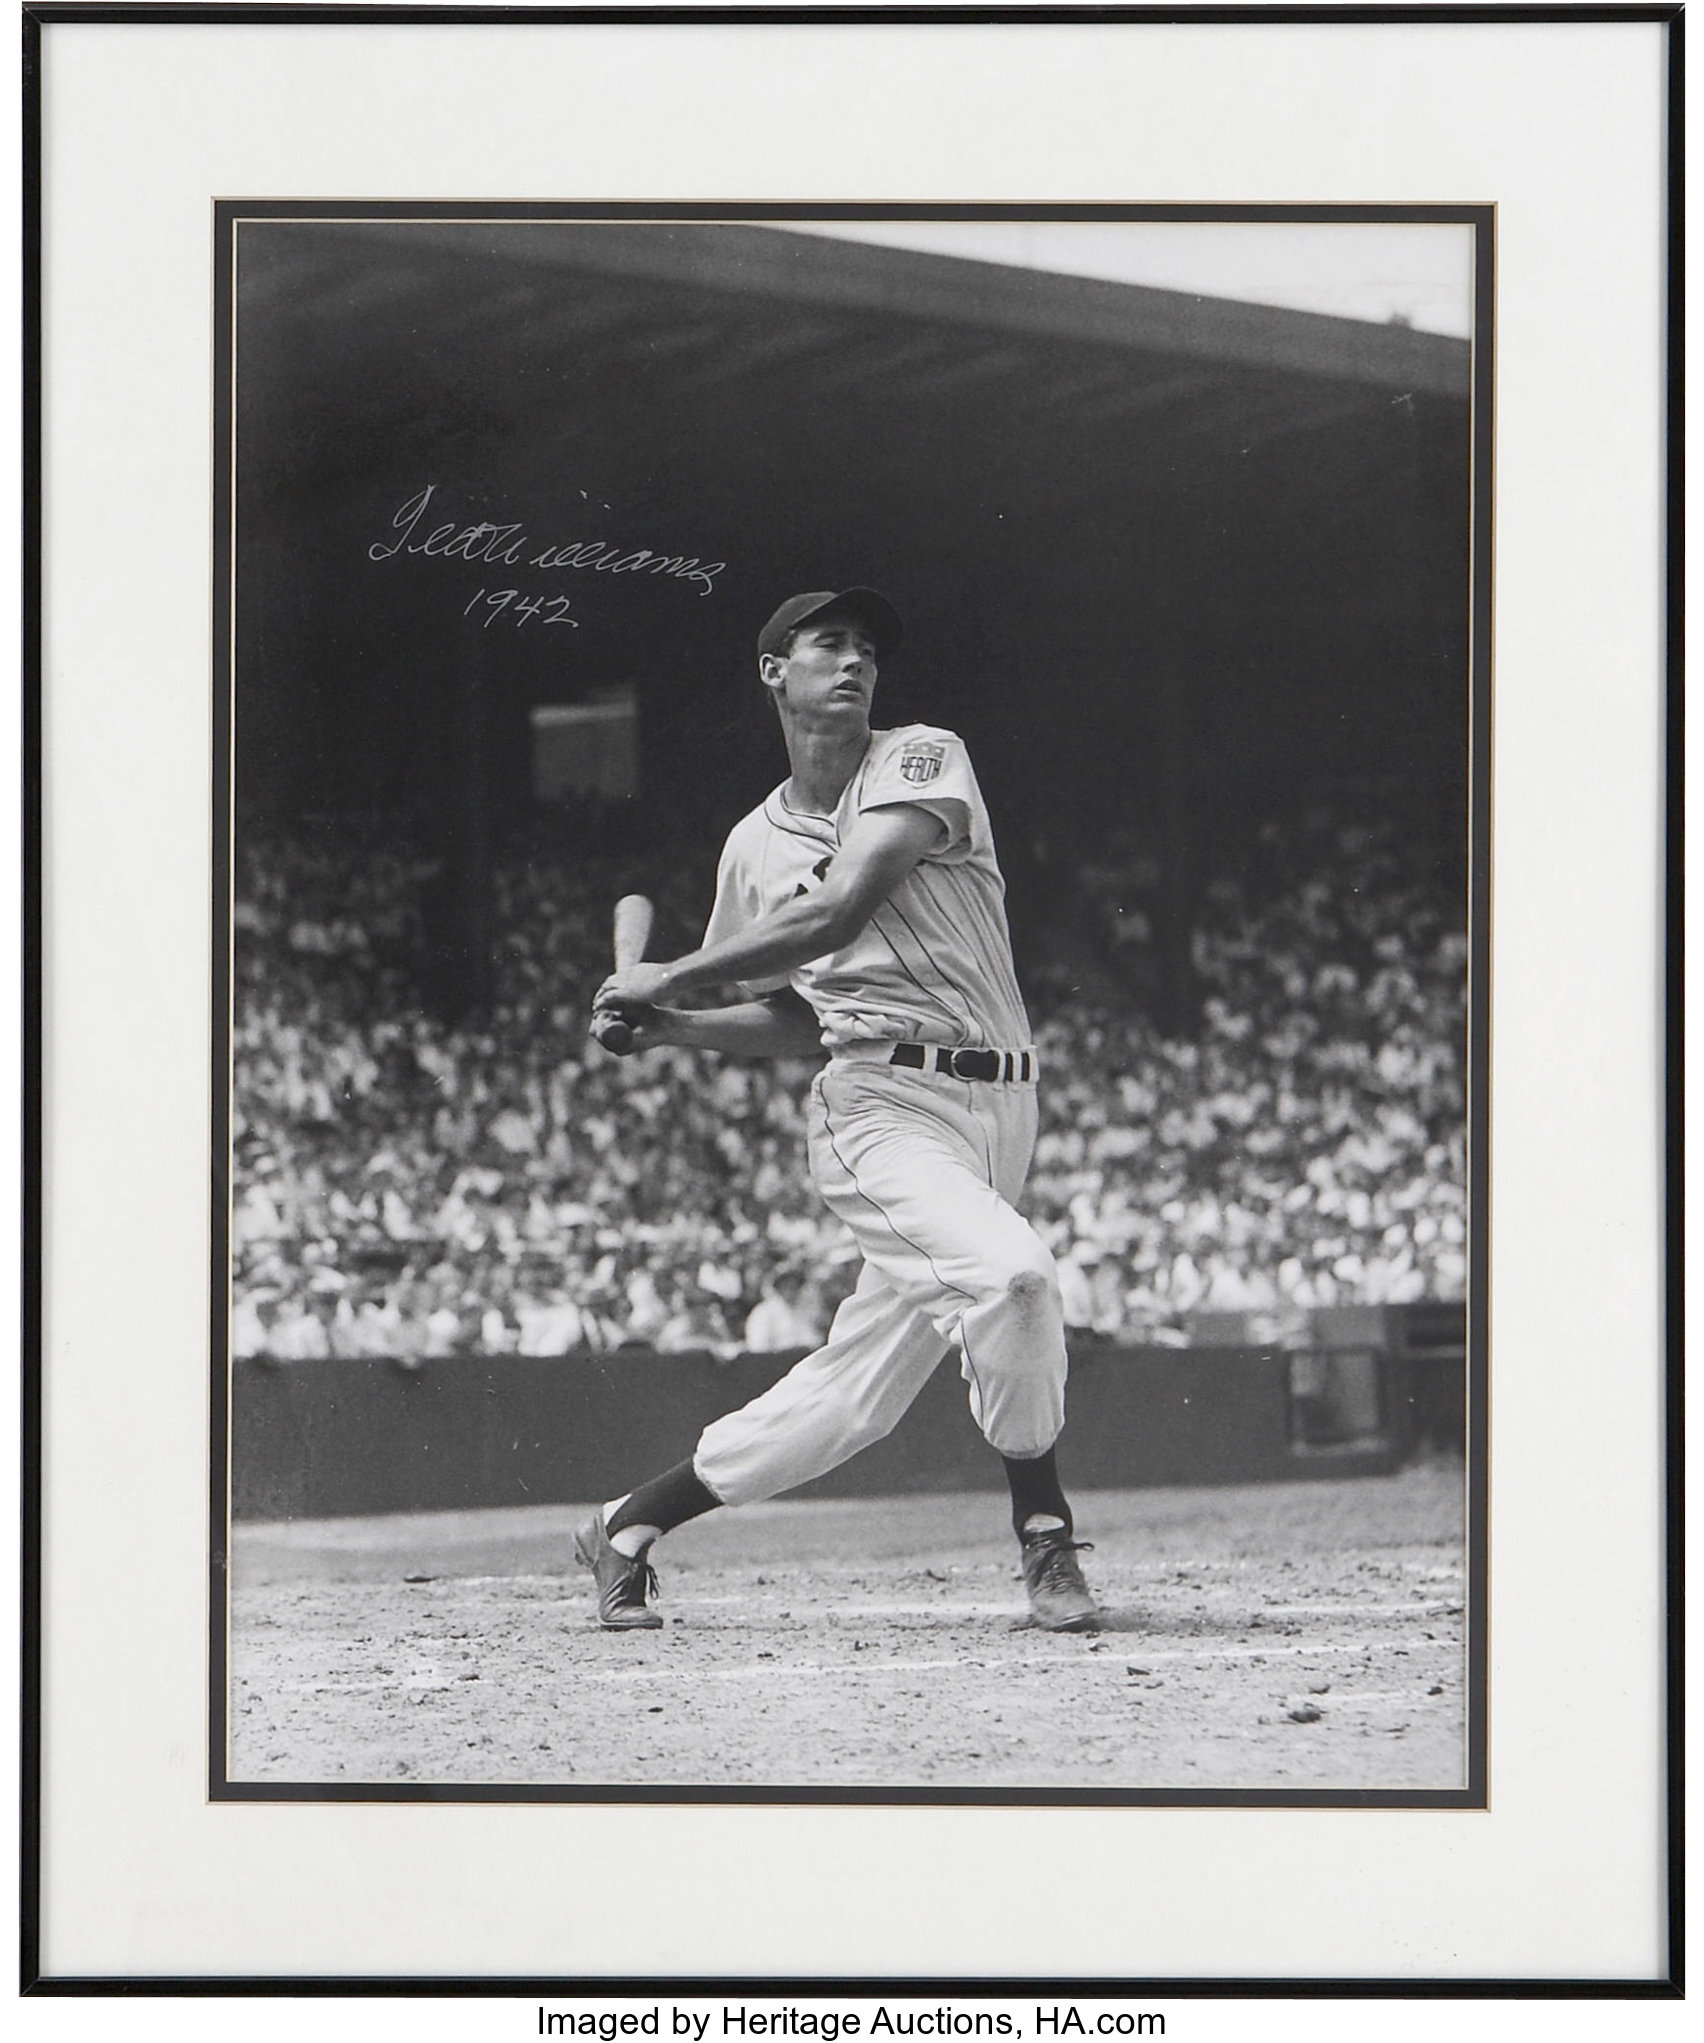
770 1670
773 1670
1336 1706
1450 1608
1445 1606
651 1673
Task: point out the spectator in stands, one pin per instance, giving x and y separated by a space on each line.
299 1332
252 1314
781 1320
549 1322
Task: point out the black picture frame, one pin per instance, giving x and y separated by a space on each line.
38 1046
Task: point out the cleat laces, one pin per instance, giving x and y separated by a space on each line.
638 1581
1058 1569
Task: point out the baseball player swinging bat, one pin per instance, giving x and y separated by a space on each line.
634 914
918 1146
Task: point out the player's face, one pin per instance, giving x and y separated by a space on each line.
829 670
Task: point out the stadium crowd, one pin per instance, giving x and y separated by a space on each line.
410 1188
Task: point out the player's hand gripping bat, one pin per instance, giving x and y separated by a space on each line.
634 914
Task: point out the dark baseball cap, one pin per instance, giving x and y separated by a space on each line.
867 605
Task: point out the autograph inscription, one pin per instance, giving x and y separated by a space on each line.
512 546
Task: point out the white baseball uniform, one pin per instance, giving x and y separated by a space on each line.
923 1165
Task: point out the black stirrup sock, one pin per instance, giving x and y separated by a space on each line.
1036 1492
665 1501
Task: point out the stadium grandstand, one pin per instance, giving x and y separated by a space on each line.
412 1185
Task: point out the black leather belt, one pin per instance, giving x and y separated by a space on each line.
994 1065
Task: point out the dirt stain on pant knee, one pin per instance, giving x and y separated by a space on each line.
1032 1291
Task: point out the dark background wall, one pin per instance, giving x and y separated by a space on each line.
337 1438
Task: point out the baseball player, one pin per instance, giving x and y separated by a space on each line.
860 909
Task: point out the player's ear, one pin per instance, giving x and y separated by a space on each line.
771 671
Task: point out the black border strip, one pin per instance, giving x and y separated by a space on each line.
1298 1800
434 210
875 17
222 761
31 1357
663 1987
1481 690
1674 1036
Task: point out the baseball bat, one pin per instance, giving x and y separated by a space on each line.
630 933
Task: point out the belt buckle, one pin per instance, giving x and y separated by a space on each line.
976 1063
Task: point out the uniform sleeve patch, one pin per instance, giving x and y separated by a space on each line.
921 762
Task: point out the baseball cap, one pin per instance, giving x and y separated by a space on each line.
871 607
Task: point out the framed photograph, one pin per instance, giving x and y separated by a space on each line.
833 815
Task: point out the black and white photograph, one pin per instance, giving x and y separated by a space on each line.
849 1066
849 1109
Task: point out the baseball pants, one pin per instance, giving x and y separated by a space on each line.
924 1170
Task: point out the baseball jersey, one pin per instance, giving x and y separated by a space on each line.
934 963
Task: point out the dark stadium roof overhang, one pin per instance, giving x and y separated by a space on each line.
716 305
1082 494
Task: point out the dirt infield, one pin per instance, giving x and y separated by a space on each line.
1300 1636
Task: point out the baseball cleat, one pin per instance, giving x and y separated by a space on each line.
622 1582
1059 1598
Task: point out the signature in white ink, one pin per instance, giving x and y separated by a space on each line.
510 546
